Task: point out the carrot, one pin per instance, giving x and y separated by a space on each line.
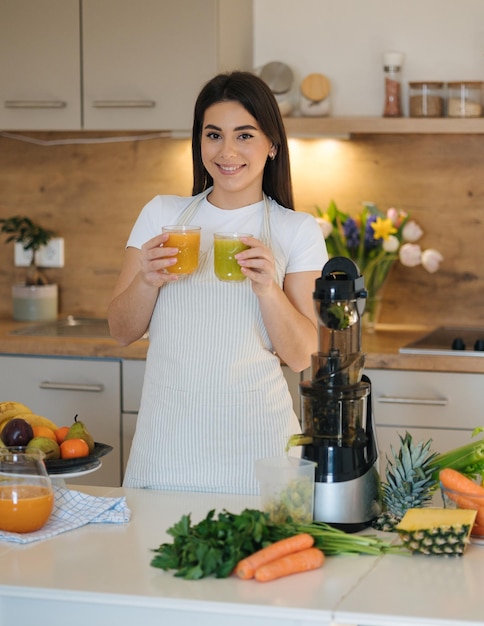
467 503
478 530
246 568
302 561
452 479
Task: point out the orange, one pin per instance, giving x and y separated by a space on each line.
61 433
43 431
74 448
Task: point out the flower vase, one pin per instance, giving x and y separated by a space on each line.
371 312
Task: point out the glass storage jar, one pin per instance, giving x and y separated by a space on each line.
426 99
464 99
392 69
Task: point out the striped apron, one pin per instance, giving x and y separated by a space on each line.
214 396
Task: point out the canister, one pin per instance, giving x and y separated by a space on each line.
280 79
315 100
426 99
464 99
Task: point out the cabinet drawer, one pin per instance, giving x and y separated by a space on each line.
426 399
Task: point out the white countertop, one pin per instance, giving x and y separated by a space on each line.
101 573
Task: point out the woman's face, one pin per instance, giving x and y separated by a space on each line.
234 152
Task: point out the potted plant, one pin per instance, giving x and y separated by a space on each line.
35 299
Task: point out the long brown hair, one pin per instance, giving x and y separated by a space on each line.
257 98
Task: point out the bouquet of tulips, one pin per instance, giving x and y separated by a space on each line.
374 240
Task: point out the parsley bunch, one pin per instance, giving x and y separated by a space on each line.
214 546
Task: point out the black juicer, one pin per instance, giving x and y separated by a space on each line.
336 405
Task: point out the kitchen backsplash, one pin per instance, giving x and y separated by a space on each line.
90 193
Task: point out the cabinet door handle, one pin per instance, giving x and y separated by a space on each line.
123 104
427 401
35 104
71 386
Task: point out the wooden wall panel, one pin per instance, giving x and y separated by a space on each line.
91 193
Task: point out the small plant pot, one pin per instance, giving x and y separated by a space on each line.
35 303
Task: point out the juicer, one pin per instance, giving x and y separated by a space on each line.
336 408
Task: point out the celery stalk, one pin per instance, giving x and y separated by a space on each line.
467 459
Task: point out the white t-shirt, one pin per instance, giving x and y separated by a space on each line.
297 234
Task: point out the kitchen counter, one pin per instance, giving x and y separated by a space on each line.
381 348
101 574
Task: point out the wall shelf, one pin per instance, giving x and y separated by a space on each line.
341 126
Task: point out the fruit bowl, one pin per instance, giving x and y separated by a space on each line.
461 500
62 466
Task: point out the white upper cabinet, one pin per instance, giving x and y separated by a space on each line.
40 86
141 66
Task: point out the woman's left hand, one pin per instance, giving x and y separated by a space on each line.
257 263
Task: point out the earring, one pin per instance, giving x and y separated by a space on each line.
272 155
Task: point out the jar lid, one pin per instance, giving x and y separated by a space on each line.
278 76
315 87
427 83
465 83
393 59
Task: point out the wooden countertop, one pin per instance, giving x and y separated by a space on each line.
381 348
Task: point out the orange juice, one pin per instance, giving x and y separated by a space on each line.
25 508
187 240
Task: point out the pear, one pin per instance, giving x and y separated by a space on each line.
78 430
49 447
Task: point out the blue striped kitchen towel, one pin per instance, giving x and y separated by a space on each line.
73 509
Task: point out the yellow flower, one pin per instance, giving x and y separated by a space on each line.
383 228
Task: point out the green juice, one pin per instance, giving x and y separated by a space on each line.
225 264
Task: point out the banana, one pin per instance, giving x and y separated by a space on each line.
33 420
11 409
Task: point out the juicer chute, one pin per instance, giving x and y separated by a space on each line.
336 409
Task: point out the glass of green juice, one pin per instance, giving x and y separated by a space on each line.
226 246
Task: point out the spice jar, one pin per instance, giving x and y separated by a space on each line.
315 99
392 67
464 99
426 99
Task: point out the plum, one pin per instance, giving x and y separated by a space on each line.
17 432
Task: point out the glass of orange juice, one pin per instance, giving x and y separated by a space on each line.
187 240
225 247
26 493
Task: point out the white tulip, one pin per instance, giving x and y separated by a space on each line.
391 244
326 227
410 254
411 232
431 259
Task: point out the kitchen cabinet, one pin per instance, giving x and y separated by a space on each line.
142 62
441 406
60 388
40 65
132 383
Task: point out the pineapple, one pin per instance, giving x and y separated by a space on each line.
409 483
436 531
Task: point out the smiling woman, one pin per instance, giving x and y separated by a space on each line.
214 361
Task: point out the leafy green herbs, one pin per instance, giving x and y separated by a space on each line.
214 546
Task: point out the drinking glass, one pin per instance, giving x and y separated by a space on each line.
26 493
187 240
226 246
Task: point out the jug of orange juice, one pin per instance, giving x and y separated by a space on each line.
26 493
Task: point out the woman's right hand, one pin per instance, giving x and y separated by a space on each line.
155 259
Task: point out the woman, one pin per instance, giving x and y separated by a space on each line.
214 396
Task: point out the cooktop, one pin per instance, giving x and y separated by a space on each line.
449 341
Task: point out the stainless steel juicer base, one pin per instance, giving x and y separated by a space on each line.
351 502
